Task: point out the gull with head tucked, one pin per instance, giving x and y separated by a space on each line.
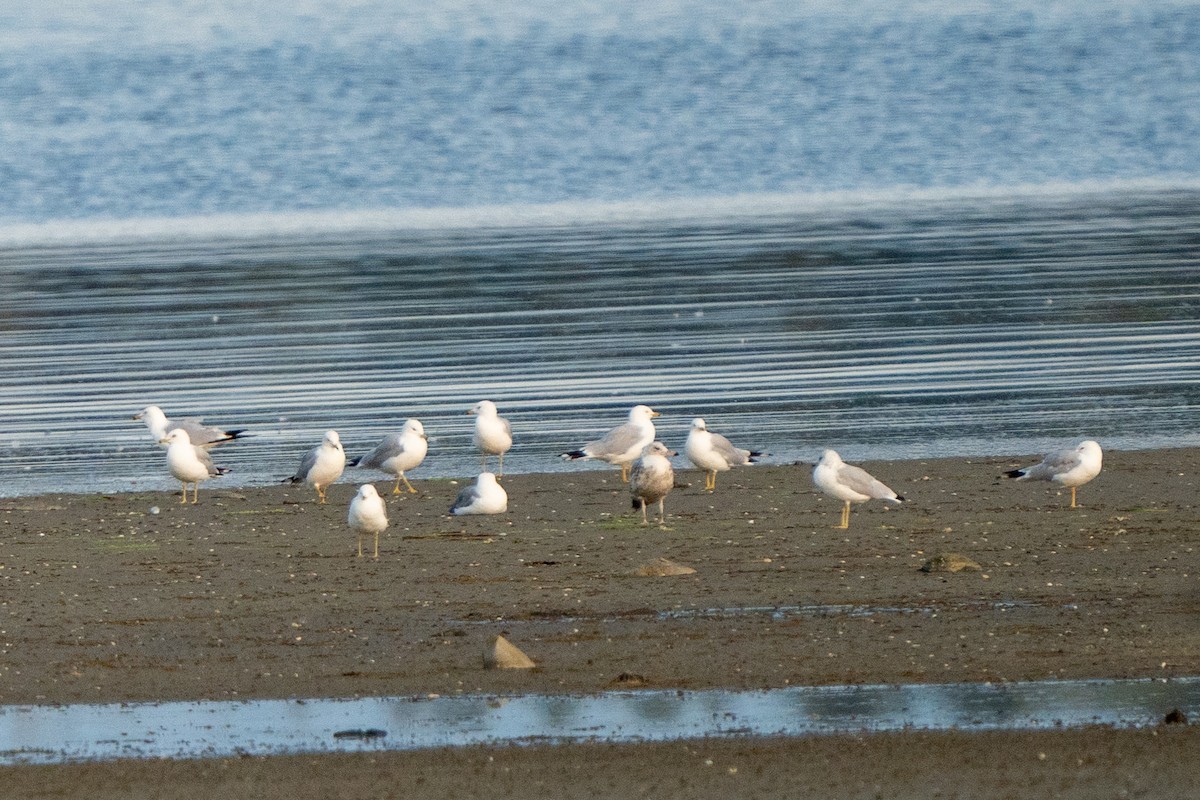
1073 467
485 496
849 484
322 465
622 444
188 463
200 435
713 453
398 453
493 434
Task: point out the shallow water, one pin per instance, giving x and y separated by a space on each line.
210 729
885 329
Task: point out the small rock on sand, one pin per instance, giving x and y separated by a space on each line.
950 562
503 654
662 567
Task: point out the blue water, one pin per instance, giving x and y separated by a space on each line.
901 229
216 729
163 109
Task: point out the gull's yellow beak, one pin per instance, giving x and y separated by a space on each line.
655 414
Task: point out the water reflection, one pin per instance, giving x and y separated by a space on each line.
54 734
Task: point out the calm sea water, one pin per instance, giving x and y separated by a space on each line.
898 229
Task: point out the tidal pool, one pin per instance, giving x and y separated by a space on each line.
210 729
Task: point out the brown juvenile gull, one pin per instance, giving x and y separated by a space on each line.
1073 467
849 484
622 444
368 515
398 453
188 463
200 435
322 465
713 453
493 434
652 479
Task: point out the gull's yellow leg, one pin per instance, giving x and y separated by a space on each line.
624 473
320 493
183 496
1073 497
500 469
195 492
411 490
376 545
845 516
360 545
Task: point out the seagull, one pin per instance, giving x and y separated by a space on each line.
368 514
651 479
398 453
485 496
200 435
1073 467
622 444
849 484
493 434
188 463
322 465
713 453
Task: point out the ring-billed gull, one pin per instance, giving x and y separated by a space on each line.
485 496
713 453
651 479
1073 467
398 453
622 444
849 484
368 514
188 463
493 434
200 435
322 465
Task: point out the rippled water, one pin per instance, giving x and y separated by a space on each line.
211 729
886 329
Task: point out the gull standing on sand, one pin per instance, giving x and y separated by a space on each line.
493 434
713 453
322 465
1073 467
485 496
398 453
622 444
651 479
188 463
849 484
200 435
368 514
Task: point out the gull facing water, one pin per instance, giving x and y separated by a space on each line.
485 496
493 434
322 465
651 479
1073 467
188 463
622 444
200 435
849 484
398 453
713 453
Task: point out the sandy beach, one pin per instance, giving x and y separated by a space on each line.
257 593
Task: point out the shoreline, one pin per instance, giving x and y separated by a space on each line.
258 594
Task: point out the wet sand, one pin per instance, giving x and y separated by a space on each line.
257 593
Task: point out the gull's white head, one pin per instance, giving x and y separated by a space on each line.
484 408
367 491
332 440
830 458
150 414
642 414
414 426
486 479
177 435
698 424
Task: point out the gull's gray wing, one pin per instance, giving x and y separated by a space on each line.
466 497
306 465
734 456
615 442
390 447
863 482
